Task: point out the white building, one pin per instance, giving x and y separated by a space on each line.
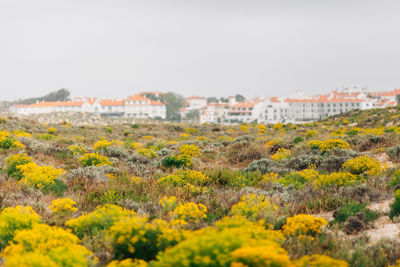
241 112
134 106
137 106
214 113
271 110
195 102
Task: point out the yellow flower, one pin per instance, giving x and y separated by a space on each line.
190 212
254 207
63 206
303 225
317 260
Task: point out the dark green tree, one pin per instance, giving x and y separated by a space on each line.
173 102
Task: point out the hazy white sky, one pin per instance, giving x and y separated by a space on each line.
113 48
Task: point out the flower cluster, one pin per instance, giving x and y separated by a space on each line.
281 154
94 159
303 225
135 237
183 178
98 220
21 133
190 150
46 244
300 178
189 212
101 145
315 144
316 260
254 207
7 142
51 130
336 179
267 254
213 246
14 219
147 152
40 177
77 149
12 162
363 165
330 144
136 145
168 203
62 206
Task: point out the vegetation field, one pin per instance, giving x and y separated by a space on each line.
314 194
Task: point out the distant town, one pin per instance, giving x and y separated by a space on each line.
295 108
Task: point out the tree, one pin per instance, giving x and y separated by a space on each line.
398 99
173 103
59 95
240 98
212 100
193 115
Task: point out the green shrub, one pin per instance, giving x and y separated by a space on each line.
298 139
395 206
347 210
12 162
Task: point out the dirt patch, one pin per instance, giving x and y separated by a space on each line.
383 228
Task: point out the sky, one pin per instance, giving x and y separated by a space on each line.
115 48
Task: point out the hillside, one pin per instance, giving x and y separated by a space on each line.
148 194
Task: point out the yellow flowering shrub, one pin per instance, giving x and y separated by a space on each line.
147 137
254 207
101 145
192 181
7 142
77 149
303 225
171 142
270 177
12 162
137 238
277 126
59 246
315 144
192 131
14 219
128 263
262 129
311 133
190 150
244 128
300 178
147 152
21 133
51 130
270 254
168 203
281 154
63 206
40 177
273 142
213 246
318 260
94 159
190 212
363 165
100 219
336 179
136 145
330 144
